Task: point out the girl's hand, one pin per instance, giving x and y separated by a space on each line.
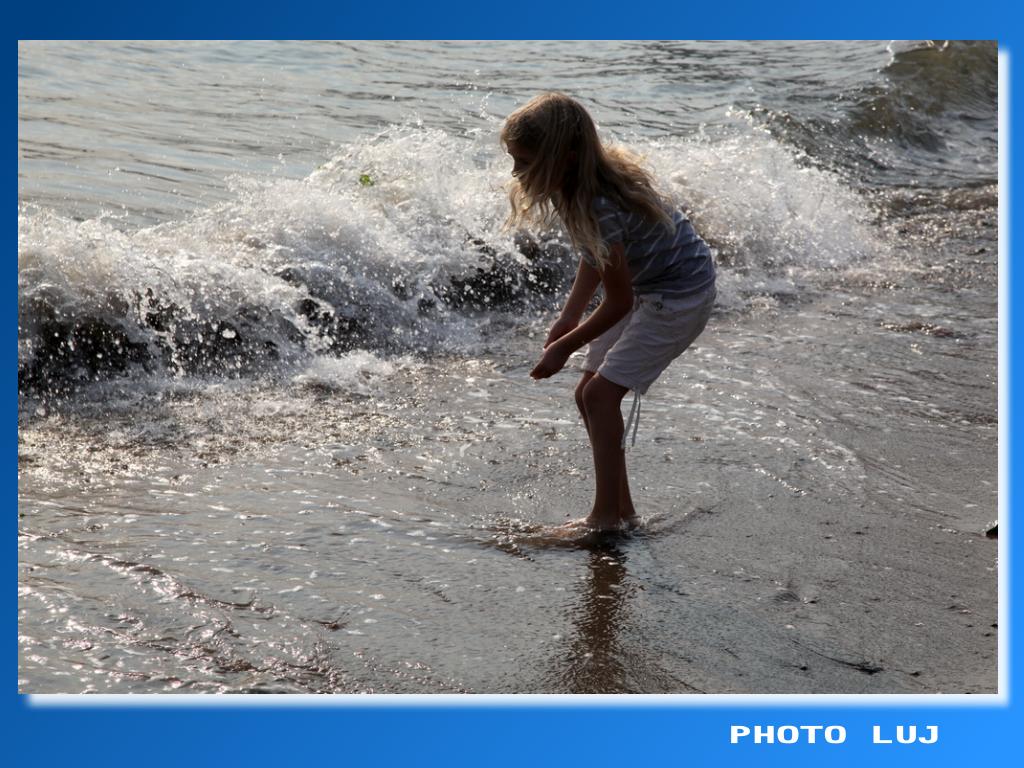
562 326
551 362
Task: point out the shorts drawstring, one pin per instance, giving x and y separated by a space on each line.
635 410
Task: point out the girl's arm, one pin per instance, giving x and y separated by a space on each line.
583 287
618 299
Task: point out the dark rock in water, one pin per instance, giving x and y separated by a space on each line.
69 351
147 331
291 275
507 281
230 346
342 332
342 316
401 290
489 287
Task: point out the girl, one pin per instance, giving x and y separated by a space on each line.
657 274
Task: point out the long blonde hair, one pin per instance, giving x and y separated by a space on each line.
570 168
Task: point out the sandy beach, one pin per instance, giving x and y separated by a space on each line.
392 541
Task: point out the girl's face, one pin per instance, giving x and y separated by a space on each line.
521 158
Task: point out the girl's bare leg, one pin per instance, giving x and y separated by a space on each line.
626 511
584 380
602 401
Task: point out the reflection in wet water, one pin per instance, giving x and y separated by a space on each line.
595 661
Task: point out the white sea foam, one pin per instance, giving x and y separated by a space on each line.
360 372
773 217
358 254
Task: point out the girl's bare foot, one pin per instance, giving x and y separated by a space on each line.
600 524
576 531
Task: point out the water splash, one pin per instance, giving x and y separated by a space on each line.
394 246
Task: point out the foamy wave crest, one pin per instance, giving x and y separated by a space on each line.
93 298
355 372
774 219
395 245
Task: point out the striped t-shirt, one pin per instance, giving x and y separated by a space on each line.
660 261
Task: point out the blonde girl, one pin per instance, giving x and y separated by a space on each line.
657 274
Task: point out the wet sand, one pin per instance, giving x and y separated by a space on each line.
814 510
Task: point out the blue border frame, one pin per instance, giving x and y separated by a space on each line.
480 730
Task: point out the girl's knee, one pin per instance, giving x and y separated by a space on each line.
579 397
580 388
600 395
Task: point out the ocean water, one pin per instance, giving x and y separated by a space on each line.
276 428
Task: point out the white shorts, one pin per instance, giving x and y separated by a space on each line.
635 351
